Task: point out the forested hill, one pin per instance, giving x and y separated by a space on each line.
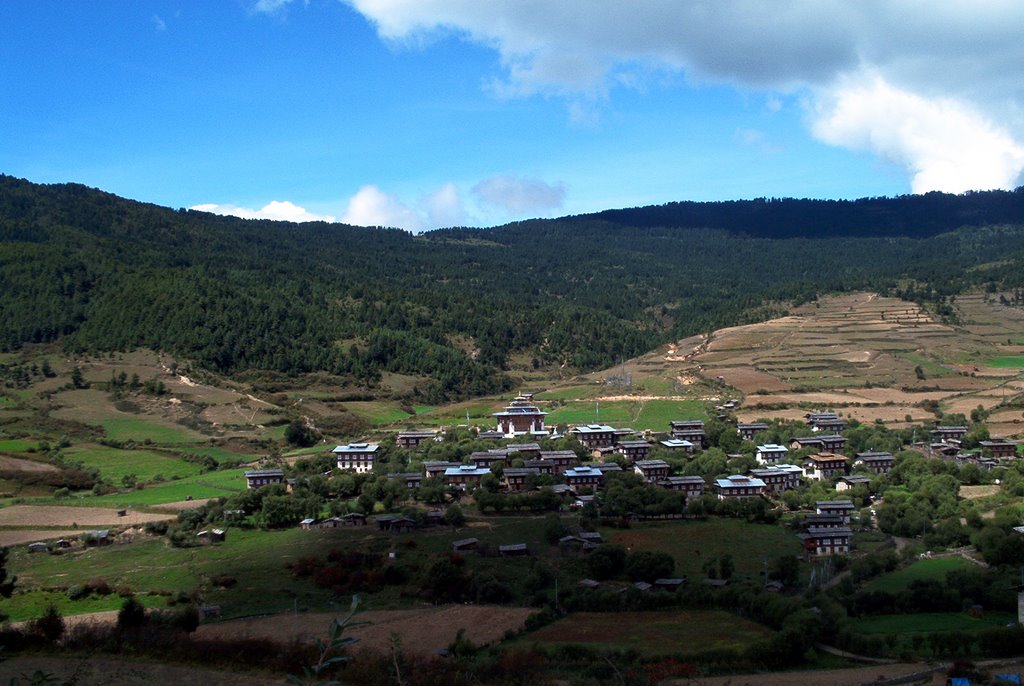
909 215
98 272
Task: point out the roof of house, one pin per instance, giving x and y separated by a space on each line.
558 455
677 443
520 471
686 423
651 464
463 542
739 481
356 448
872 455
257 473
419 433
752 426
511 547
592 429
582 470
634 444
683 480
826 457
523 447
835 504
824 532
772 448
467 470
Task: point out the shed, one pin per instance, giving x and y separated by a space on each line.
38 547
513 550
465 544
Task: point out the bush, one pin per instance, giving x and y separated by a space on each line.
132 615
50 626
77 592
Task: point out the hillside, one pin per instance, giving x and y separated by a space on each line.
457 312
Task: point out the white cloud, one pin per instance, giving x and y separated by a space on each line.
944 144
270 6
371 206
158 23
445 207
956 58
520 196
276 210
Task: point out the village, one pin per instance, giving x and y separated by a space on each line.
518 467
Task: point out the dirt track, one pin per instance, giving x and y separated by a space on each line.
17 464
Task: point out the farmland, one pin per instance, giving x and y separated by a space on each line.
654 633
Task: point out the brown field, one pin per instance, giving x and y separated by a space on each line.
66 515
103 671
17 464
20 536
423 631
182 505
750 380
975 492
825 677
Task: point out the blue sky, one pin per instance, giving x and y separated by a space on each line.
425 113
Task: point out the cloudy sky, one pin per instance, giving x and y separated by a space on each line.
427 113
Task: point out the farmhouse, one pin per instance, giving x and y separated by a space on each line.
526 450
691 486
875 462
999 447
542 466
949 433
748 431
464 544
487 459
412 479
584 475
263 477
594 435
560 459
825 421
778 478
824 466
520 417
690 430
846 483
829 444
824 521
652 470
771 453
437 469
635 450
678 444
514 478
465 475
356 456
738 486
843 508
820 542
412 439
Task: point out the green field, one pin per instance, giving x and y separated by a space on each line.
654 633
144 464
656 414
693 543
931 622
216 452
1006 362
210 485
931 570
590 412
377 413
139 429
17 445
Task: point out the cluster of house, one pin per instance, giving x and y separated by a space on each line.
946 442
522 417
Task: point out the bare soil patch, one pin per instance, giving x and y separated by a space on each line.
20 536
423 631
17 464
66 515
826 677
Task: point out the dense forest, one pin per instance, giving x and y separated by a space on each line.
100 273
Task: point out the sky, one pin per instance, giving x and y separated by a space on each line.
421 114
